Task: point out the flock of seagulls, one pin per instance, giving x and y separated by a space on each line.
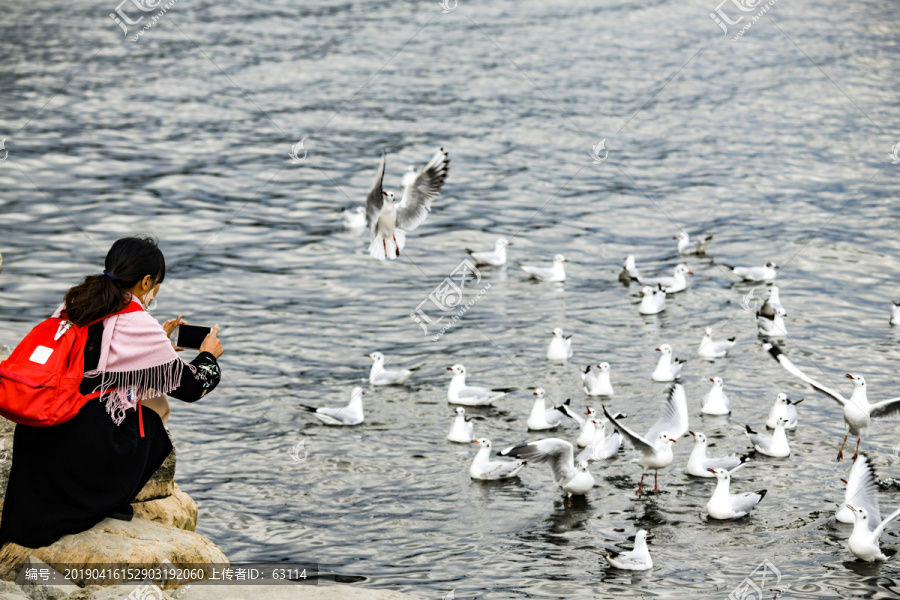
601 435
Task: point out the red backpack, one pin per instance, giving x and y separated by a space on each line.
39 381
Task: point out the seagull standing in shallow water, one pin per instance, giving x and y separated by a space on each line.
388 220
858 413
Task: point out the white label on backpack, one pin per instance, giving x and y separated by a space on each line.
41 354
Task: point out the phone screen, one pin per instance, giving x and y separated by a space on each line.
191 336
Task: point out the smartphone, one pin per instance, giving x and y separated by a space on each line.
191 336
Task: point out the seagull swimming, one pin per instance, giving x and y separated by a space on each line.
352 414
666 369
676 283
772 303
597 384
575 480
699 464
560 347
629 271
772 328
541 417
354 218
725 505
862 492
389 221
634 560
485 469
553 274
710 350
462 431
775 445
602 446
786 409
653 301
716 402
688 246
766 273
858 413
378 375
867 532
495 257
460 393
587 424
654 455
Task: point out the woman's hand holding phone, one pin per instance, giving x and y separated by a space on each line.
212 344
170 326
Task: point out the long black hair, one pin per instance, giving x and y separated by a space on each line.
127 262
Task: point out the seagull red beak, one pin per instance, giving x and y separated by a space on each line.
711 470
851 508
673 441
849 376
690 272
692 433
449 368
658 350
844 480
711 379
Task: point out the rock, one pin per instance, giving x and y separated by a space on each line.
176 510
7 428
37 589
285 592
10 591
114 543
162 482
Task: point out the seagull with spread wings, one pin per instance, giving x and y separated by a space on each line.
389 221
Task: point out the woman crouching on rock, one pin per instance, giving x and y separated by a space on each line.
68 477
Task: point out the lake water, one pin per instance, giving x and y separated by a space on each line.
776 143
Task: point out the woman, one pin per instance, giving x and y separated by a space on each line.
68 477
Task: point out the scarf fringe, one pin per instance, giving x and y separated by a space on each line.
114 387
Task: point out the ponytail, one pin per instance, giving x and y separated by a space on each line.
127 263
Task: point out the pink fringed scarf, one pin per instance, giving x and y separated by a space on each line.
137 357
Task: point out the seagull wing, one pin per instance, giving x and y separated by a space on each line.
565 408
885 408
558 453
639 443
674 419
862 490
785 362
416 201
375 199
880 529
